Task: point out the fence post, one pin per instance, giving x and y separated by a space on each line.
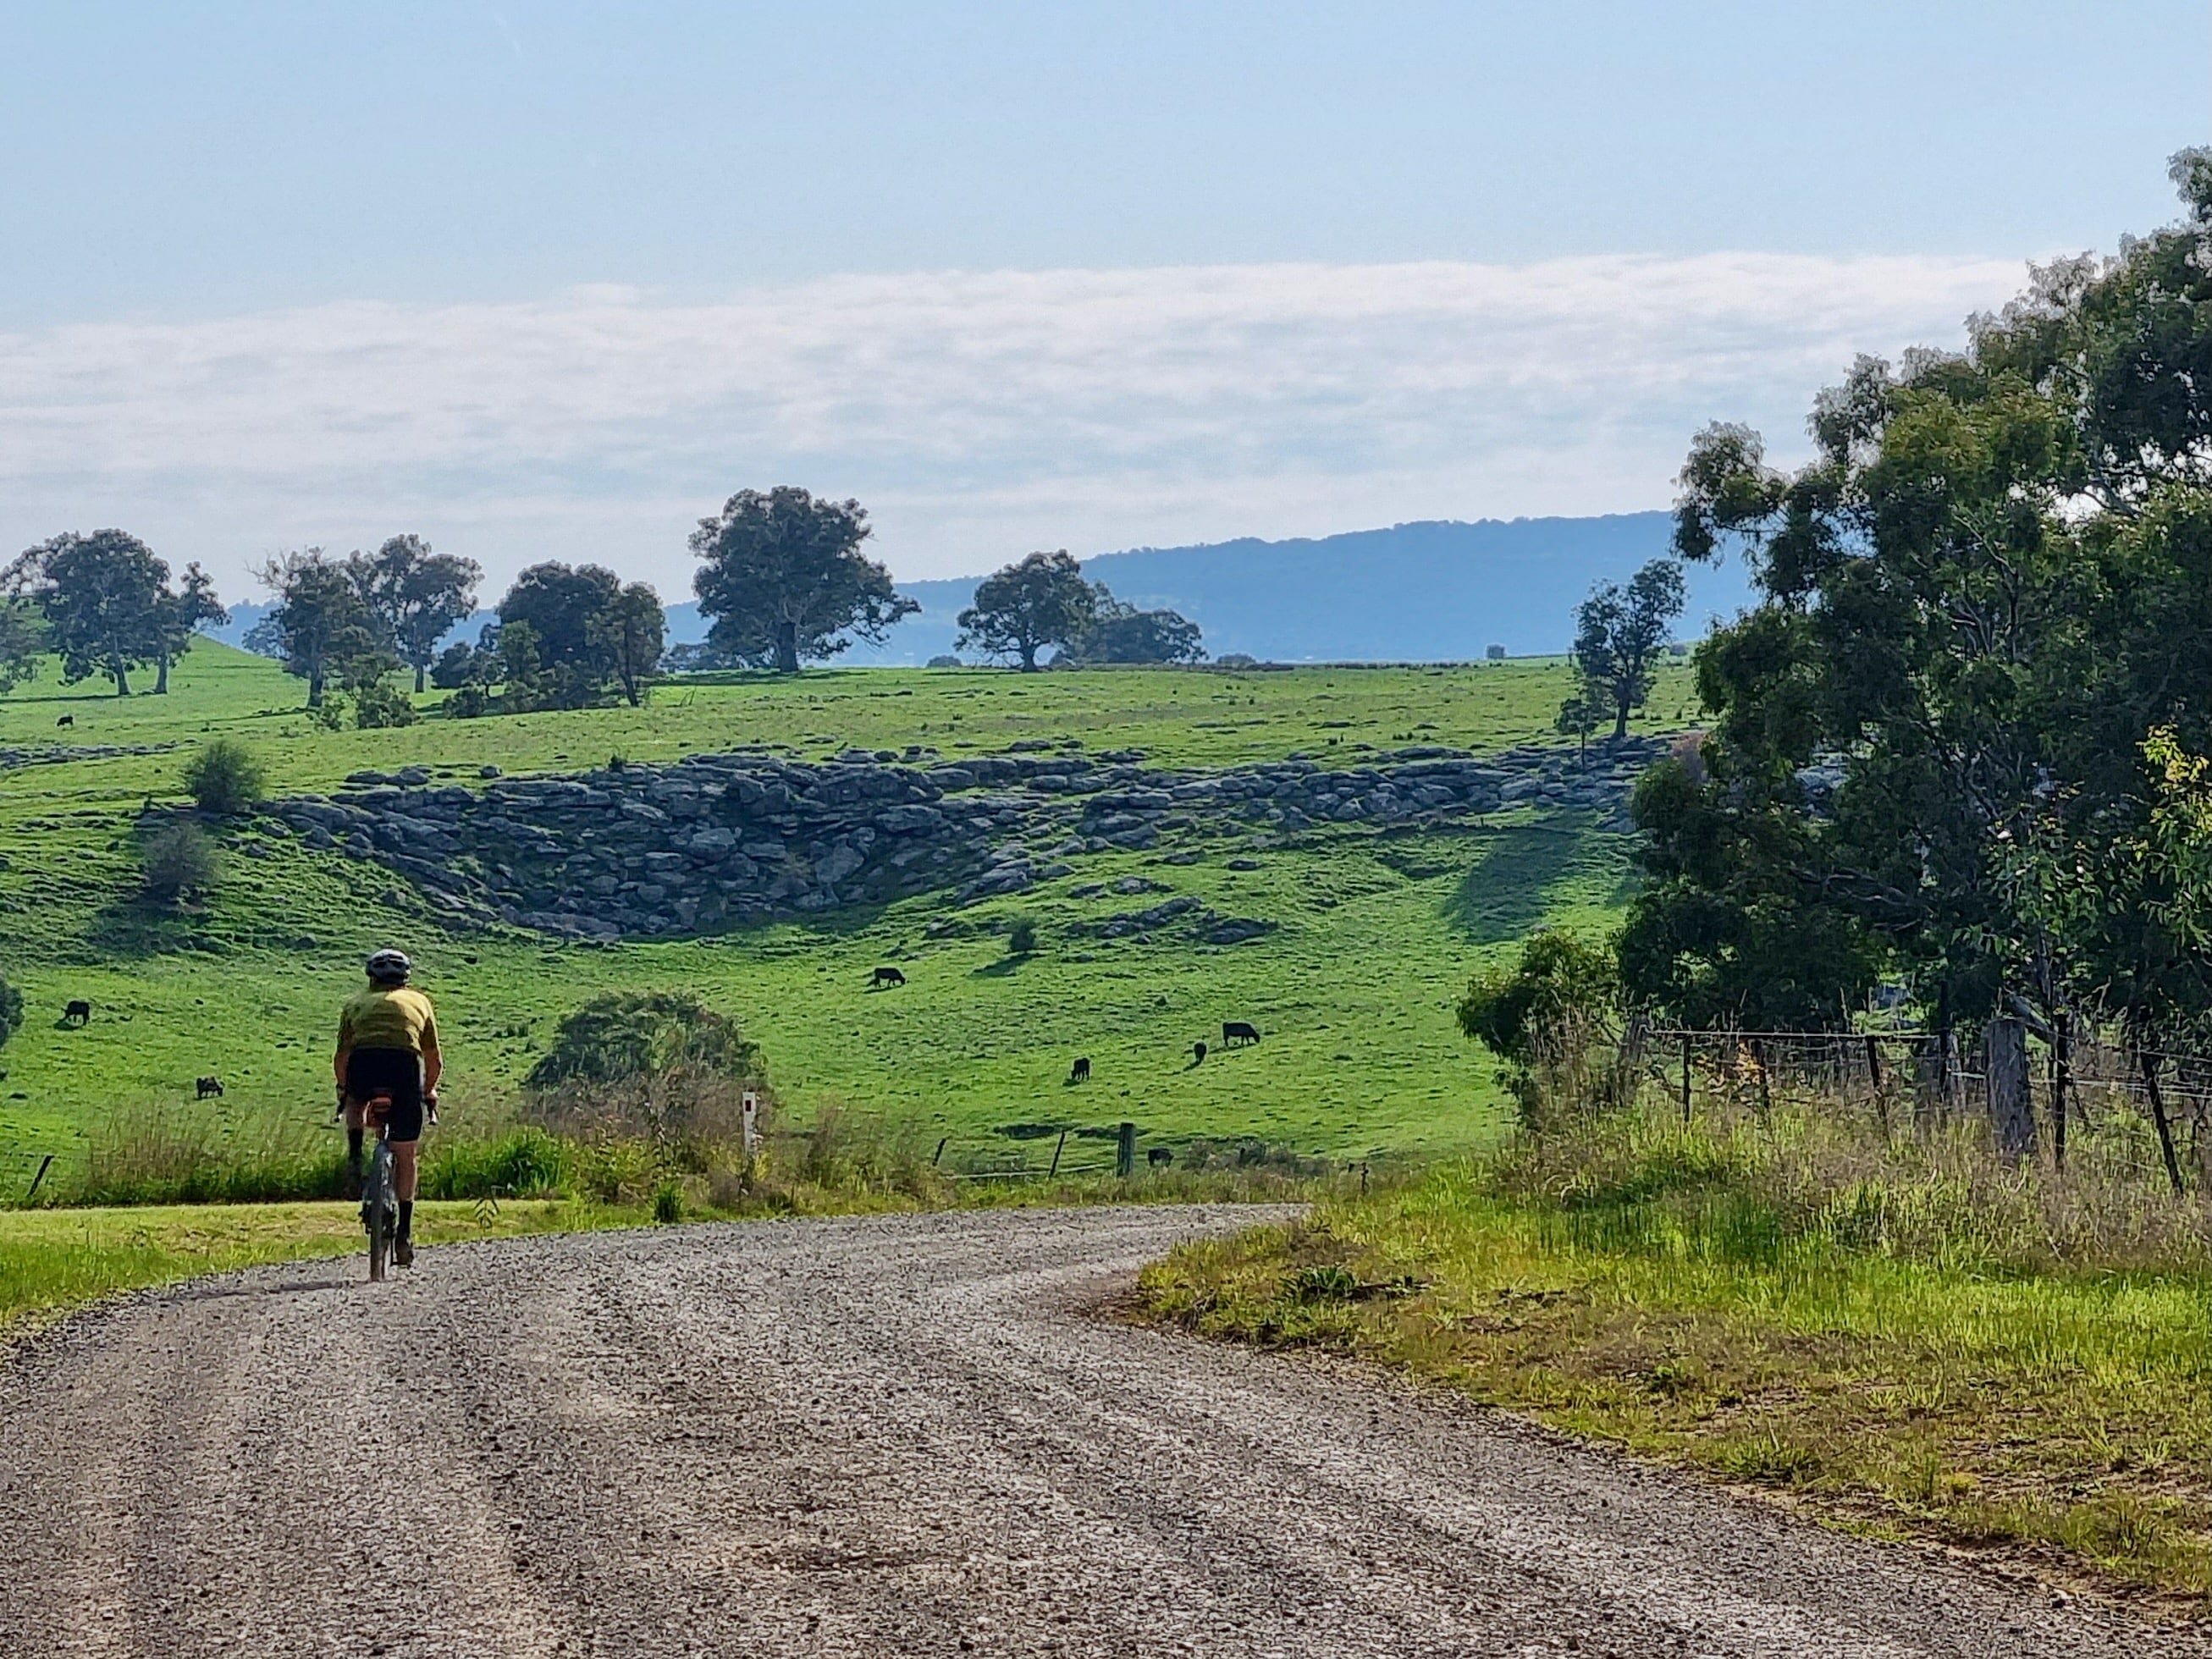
2012 1109
2062 1075
1686 1079
1059 1147
939 1159
1758 1065
1125 1150
44 1164
1873 1077
2156 1096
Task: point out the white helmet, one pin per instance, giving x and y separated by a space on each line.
390 966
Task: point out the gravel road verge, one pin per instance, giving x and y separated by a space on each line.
878 1436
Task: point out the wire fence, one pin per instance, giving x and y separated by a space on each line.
2145 1113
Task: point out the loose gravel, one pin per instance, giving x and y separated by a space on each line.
884 1436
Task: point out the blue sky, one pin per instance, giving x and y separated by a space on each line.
554 278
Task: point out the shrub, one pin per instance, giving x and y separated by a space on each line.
330 714
468 703
1021 941
1542 1016
668 1203
627 1035
11 1010
380 703
225 777
524 1163
945 661
179 863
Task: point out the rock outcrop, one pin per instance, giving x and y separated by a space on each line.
715 841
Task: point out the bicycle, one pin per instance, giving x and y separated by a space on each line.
379 1204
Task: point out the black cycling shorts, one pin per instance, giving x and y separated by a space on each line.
397 1073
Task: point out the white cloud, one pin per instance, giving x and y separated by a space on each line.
978 414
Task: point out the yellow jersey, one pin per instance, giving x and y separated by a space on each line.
399 1019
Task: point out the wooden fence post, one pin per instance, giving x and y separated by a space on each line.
1059 1147
2156 1097
939 1159
44 1164
2062 1077
2012 1109
1686 1079
1125 1150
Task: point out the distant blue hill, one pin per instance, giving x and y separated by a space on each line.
1435 591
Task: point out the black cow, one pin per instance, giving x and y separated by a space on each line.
66 719
1198 1054
208 1087
1080 1071
888 976
1159 1157
77 1013
1236 1031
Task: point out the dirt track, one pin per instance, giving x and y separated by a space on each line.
877 1437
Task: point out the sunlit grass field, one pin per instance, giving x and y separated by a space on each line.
1377 934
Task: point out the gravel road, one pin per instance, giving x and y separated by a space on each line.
879 1436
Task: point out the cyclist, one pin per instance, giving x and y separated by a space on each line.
388 1045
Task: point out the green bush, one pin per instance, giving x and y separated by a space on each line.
225 777
380 703
179 863
627 1035
1021 941
468 702
11 1010
668 1203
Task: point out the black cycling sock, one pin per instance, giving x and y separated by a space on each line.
353 1147
407 1218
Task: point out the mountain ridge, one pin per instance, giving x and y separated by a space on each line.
1426 590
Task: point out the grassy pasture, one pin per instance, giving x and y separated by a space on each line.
1377 933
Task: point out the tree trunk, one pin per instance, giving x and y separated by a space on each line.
162 678
122 680
1620 720
315 686
2012 1109
786 647
1028 657
422 670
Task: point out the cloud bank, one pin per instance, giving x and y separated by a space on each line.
978 415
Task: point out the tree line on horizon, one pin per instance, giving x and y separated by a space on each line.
782 577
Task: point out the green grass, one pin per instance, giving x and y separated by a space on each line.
1911 1341
1378 933
52 1261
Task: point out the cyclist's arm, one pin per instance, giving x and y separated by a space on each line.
345 1048
433 1061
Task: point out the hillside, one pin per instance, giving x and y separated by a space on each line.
1438 592
1374 907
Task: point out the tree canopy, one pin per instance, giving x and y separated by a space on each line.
417 594
322 626
1619 635
567 633
1948 741
1121 633
782 575
106 604
1024 607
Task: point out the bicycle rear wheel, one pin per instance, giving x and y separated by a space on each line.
376 1212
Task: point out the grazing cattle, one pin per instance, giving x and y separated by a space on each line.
66 719
1159 1157
206 1087
888 976
1236 1031
1080 1071
1198 1054
77 1013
